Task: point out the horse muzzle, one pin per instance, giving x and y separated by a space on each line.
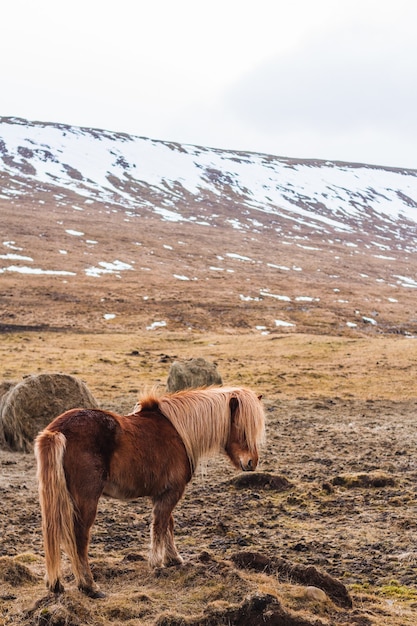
248 466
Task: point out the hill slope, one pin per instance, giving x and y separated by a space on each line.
105 229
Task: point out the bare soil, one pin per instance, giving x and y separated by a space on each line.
199 279
331 508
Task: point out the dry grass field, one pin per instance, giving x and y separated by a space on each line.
341 444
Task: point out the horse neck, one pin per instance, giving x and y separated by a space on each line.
202 420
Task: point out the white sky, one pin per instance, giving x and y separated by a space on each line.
330 79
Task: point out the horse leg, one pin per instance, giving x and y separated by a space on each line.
172 556
163 549
83 522
85 495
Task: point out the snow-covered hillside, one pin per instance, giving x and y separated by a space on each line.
196 237
173 180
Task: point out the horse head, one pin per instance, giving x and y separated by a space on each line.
246 433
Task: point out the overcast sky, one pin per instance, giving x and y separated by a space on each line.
328 79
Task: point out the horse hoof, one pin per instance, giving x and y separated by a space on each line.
56 588
161 572
95 594
174 562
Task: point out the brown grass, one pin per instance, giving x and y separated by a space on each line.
116 366
340 435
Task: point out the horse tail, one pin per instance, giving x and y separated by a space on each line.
57 507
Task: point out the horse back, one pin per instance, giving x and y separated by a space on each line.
88 428
128 456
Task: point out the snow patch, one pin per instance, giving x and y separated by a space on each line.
181 277
108 268
154 325
283 323
34 270
15 257
276 296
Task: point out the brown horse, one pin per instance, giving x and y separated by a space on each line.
153 452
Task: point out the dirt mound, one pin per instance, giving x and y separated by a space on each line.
258 610
14 573
64 610
260 480
192 373
33 403
376 479
305 575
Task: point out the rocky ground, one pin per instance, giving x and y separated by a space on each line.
332 507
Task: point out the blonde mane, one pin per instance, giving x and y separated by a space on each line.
202 418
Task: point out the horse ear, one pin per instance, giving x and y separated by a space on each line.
233 403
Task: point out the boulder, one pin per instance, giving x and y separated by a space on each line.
33 403
192 373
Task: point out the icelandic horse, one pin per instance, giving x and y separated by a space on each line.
86 453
